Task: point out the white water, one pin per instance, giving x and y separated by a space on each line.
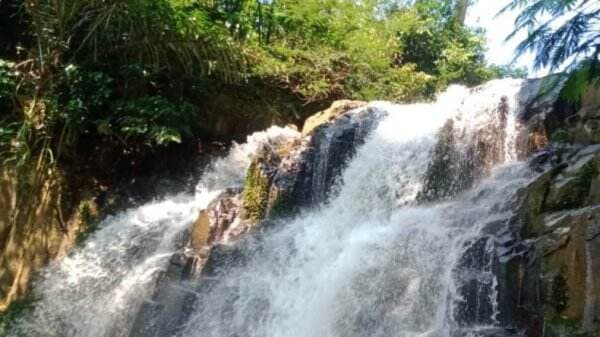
97 290
368 263
362 265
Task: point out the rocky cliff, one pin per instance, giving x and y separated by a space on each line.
553 271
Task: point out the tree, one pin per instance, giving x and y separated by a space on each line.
64 35
461 10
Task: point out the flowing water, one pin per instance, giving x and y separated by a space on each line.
371 261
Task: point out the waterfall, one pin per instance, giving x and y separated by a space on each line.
97 290
373 260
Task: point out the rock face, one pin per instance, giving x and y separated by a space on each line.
219 222
551 271
48 233
300 174
585 126
337 109
458 160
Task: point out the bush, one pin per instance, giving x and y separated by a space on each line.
151 119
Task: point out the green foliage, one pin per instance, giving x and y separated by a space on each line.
151 118
85 94
134 75
157 33
568 32
509 71
89 223
331 48
91 105
8 82
8 124
562 33
584 74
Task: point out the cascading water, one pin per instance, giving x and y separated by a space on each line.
97 290
371 261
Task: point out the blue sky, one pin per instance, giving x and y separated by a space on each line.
483 14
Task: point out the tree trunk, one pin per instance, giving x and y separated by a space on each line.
461 10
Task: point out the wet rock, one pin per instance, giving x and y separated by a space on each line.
567 185
173 296
544 115
533 204
534 137
220 221
560 217
566 192
301 174
461 156
223 257
337 109
165 313
328 151
543 160
56 222
477 286
571 271
585 127
448 173
270 181
518 284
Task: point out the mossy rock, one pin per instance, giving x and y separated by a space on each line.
570 190
557 326
281 203
533 205
256 192
564 275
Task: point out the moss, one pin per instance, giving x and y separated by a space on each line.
282 205
256 193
